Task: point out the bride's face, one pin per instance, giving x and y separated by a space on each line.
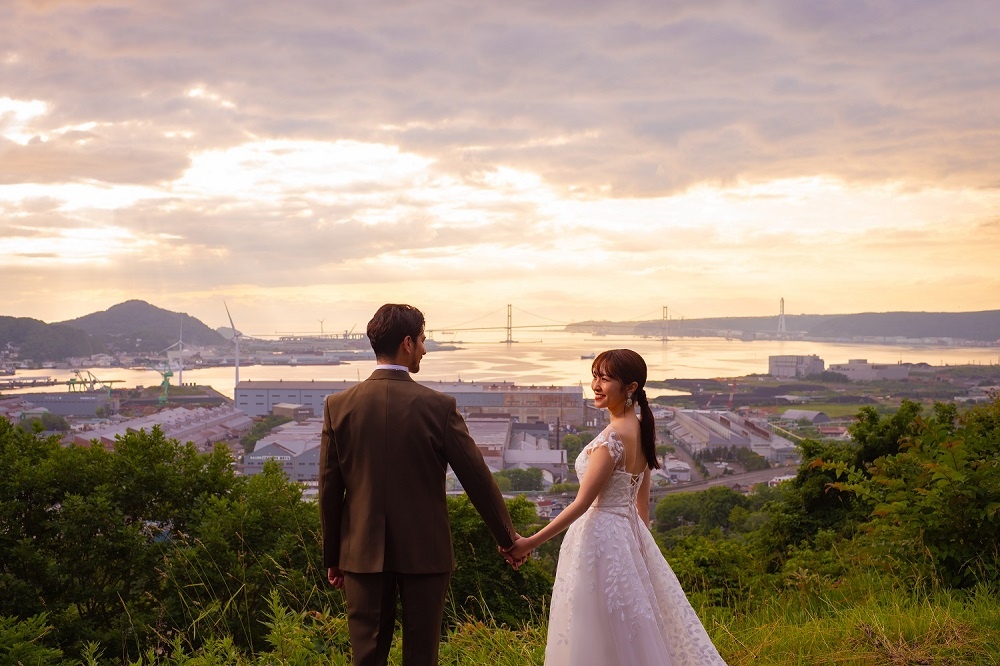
608 391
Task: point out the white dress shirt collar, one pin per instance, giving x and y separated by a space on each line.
390 366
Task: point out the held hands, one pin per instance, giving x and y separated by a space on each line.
521 548
516 554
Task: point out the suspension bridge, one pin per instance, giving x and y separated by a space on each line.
503 320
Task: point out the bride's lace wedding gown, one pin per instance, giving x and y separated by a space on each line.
616 600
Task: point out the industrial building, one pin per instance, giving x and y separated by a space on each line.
673 470
791 366
809 415
295 446
202 426
526 404
700 429
80 404
860 370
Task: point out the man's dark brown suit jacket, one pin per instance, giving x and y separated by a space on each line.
386 445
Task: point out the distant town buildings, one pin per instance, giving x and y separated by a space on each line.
504 445
795 366
15 409
526 404
860 370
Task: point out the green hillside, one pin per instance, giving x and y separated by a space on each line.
138 326
882 550
41 342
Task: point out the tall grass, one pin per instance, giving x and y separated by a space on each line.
870 623
870 615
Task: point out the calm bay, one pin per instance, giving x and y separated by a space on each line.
556 358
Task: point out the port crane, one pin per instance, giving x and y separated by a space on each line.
84 380
167 373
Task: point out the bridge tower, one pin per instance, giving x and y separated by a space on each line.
781 318
510 337
666 324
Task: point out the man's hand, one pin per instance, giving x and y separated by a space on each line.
336 577
515 562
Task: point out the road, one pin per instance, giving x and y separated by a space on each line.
745 479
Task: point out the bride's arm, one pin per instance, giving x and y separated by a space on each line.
598 471
642 499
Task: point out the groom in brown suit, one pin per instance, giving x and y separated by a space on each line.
386 445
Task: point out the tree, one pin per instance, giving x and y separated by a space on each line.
574 443
876 435
523 479
829 376
261 429
939 490
809 502
676 510
88 535
706 510
46 422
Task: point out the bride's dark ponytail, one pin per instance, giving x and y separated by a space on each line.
627 366
648 429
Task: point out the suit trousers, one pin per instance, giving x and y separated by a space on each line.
371 615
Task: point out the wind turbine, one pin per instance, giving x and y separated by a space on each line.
180 357
236 339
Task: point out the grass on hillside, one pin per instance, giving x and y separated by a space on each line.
891 628
868 627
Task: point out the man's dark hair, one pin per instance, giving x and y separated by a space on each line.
390 325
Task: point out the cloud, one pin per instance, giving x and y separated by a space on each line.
715 152
665 98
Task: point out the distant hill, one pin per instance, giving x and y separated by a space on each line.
969 325
981 326
138 326
42 342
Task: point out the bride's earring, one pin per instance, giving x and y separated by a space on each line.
628 401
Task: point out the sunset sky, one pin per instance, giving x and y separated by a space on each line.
310 160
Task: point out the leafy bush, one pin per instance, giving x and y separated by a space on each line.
483 586
939 489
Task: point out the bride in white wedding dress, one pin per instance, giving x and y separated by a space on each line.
616 600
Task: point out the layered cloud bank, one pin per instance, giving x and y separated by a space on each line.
310 160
